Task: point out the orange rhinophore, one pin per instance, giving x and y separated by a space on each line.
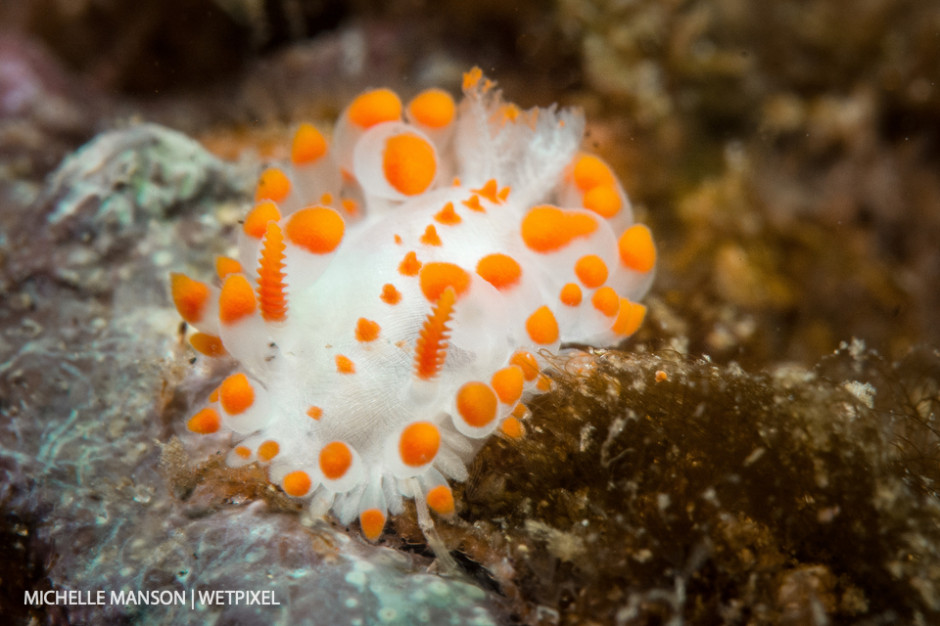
272 290
431 347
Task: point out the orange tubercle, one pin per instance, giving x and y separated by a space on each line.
603 200
447 215
345 365
441 500
268 450
637 250
374 107
367 330
476 404
389 294
527 363
335 460
500 270
419 444
256 222
226 265
410 265
570 295
309 145
512 428
520 411
434 108
542 326
350 206
409 163
490 191
606 301
273 184
629 317
508 383
318 230
547 228
590 171
372 522
473 203
208 345
591 271
237 299
436 277
544 383
236 394
191 297
205 421
296 483
430 236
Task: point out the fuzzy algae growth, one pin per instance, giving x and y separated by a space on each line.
656 487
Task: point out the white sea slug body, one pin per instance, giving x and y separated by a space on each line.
395 286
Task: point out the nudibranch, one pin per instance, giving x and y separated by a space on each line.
394 289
